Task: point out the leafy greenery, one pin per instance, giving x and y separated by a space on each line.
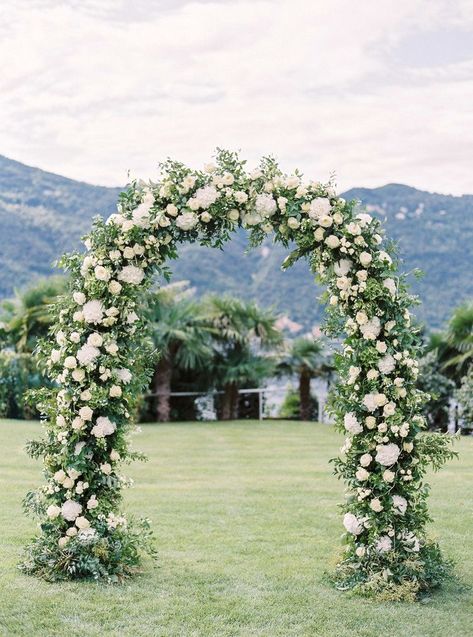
306 359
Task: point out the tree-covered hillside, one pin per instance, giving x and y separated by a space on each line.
43 215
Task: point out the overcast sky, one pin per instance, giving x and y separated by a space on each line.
377 91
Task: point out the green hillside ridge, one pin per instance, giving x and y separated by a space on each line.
44 215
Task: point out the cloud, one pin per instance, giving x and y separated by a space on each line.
93 88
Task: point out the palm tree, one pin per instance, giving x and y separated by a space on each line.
241 330
179 330
27 317
455 346
305 358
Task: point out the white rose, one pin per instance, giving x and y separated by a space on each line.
376 505
361 318
384 256
82 523
106 468
325 221
365 258
112 348
293 223
381 347
370 422
79 298
388 476
101 273
53 511
387 455
70 362
92 503
86 413
389 409
115 391
240 196
361 474
114 287
332 241
366 459
60 476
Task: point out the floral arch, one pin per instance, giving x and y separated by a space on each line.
97 362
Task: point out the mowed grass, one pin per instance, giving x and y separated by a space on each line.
246 520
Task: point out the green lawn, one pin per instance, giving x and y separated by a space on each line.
246 518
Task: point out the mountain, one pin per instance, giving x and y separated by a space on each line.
43 215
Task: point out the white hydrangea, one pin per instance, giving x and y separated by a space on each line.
351 423
87 354
342 267
399 504
390 285
265 205
70 510
352 524
387 455
387 364
131 274
371 329
93 311
319 207
206 196
103 427
124 375
384 544
187 220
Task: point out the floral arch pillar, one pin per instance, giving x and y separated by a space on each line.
96 360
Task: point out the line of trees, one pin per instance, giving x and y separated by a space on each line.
224 344
216 343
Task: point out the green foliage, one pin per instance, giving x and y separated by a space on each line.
464 396
439 389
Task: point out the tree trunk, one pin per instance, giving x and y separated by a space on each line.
304 395
162 389
235 401
229 408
